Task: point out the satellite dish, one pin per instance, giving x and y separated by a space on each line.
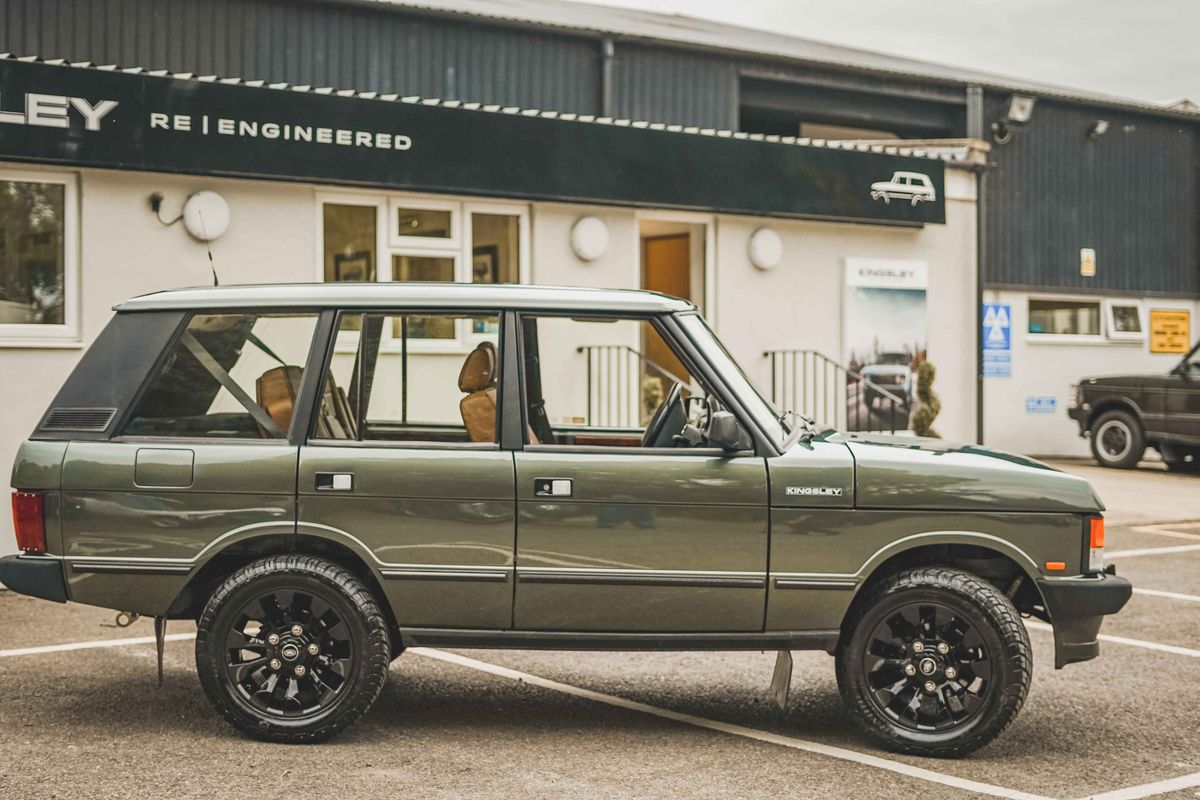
206 216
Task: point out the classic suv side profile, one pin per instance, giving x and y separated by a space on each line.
321 476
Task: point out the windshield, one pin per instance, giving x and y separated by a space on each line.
766 416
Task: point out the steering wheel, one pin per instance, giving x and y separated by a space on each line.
662 418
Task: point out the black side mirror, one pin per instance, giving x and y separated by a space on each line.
726 432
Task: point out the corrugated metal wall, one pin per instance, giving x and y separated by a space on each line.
342 46
1130 194
676 86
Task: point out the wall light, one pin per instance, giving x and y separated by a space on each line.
589 238
1098 129
1020 111
766 248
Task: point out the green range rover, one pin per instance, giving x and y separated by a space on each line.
323 475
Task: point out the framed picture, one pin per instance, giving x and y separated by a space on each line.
485 264
352 266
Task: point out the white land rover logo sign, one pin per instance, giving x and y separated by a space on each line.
914 187
53 111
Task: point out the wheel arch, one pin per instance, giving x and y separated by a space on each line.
1108 404
343 551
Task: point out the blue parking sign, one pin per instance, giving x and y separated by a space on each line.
997 340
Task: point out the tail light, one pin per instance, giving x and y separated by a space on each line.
1095 544
29 521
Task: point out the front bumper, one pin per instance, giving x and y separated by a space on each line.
1077 607
34 576
1080 415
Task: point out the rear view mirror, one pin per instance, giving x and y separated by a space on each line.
726 432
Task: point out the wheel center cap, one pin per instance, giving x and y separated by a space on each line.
290 652
927 666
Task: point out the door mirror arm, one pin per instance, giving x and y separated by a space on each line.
726 432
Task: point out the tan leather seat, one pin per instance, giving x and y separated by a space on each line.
478 379
276 392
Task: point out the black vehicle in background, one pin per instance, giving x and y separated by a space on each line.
1123 415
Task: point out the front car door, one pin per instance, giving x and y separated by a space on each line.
1183 400
624 524
403 464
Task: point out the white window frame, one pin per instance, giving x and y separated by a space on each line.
1064 338
17 334
459 247
1110 321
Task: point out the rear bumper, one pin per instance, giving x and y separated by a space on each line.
1077 608
36 577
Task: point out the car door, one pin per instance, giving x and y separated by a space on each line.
403 464
203 458
614 536
1183 399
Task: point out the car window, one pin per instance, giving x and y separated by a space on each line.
228 375
602 381
387 382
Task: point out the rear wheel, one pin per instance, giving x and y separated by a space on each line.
292 649
934 662
1117 440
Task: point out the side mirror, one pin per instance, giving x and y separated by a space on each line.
726 432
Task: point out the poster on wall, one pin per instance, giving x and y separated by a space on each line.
884 340
1170 330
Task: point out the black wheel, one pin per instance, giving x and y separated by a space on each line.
292 649
934 662
1117 440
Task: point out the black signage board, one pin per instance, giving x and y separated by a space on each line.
108 118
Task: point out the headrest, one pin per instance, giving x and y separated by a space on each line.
479 370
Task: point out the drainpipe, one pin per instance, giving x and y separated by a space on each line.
606 76
975 130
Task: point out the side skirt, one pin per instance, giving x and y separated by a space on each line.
561 640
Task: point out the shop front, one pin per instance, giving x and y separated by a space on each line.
115 183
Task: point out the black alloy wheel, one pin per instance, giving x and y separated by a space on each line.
292 649
933 661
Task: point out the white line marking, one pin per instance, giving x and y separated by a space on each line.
1153 551
1194 598
1163 648
60 648
1151 789
736 730
1165 530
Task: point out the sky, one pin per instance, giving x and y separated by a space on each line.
1143 49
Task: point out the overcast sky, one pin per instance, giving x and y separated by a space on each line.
1145 49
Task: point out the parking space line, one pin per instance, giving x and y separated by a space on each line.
1151 789
919 773
60 648
1165 529
1193 598
1104 637
1153 551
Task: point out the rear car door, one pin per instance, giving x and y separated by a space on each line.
403 464
202 456
621 529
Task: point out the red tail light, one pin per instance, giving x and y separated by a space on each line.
29 521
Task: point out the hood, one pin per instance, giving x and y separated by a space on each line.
913 472
887 369
1122 380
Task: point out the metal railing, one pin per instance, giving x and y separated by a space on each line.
614 384
812 384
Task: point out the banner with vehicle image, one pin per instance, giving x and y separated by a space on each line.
884 335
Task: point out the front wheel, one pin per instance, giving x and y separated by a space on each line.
1117 440
934 662
292 649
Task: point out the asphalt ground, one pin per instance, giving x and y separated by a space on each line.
90 722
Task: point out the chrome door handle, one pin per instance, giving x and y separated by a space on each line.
335 481
553 487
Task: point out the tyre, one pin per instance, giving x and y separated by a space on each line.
292 649
1117 440
934 662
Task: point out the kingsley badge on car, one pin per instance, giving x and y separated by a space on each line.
321 476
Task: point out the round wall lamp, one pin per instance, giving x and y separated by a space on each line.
589 238
206 216
766 248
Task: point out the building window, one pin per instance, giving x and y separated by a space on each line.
1124 320
1064 317
37 258
430 241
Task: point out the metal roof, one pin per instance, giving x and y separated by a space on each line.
588 19
464 296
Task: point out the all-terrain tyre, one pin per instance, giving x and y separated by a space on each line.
934 662
1117 440
292 649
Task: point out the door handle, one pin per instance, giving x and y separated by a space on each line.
553 487
335 481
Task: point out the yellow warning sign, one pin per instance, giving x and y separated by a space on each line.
1170 330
